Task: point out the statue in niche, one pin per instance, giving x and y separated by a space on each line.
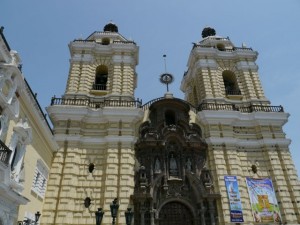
188 165
157 168
173 166
172 147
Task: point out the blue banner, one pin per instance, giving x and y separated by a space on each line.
236 211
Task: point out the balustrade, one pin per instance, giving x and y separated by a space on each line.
99 87
95 103
244 109
5 153
100 103
233 92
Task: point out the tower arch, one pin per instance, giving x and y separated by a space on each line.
101 77
230 83
102 65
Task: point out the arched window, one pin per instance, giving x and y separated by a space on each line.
221 47
170 118
230 83
105 41
101 78
20 138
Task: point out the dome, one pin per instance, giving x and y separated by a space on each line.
111 27
208 31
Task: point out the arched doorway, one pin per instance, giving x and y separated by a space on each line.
175 213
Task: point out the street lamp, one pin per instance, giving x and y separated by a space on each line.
29 221
128 216
114 206
99 216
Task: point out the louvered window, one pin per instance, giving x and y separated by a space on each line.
40 179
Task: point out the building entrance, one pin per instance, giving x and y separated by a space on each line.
175 213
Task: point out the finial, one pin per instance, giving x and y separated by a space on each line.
166 78
165 60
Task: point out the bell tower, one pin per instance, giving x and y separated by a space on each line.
220 72
95 125
243 131
103 65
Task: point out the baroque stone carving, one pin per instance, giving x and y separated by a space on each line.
172 156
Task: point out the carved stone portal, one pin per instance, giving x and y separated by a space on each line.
172 185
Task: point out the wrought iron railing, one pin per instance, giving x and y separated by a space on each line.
101 103
115 41
245 109
261 108
5 153
37 105
223 49
233 92
148 104
123 42
4 39
215 106
242 49
97 103
99 87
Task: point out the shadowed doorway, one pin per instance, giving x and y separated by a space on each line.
175 213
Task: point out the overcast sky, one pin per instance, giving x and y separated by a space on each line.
41 31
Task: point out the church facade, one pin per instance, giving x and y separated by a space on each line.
219 156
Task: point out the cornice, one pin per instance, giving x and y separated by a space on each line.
236 118
234 54
42 126
282 142
89 115
95 140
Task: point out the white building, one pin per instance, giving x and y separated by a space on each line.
26 143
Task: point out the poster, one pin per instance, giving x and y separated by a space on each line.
236 212
263 200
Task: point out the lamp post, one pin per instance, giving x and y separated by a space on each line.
29 221
128 216
114 206
99 216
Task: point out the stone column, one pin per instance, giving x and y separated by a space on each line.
142 211
212 211
202 212
152 216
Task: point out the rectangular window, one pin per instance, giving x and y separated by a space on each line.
40 179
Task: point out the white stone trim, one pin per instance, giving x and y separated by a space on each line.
95 140
3 125
236 118
21 137
248 143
